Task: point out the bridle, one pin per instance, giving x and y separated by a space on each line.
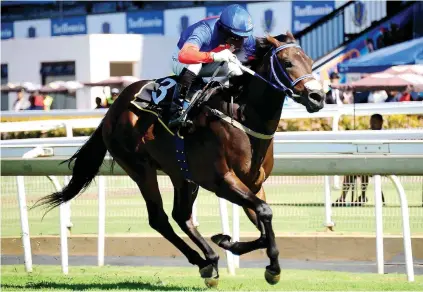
273 75
274 59
279 86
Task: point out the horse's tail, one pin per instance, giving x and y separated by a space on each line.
88 160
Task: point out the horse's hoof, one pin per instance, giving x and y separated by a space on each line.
211 282
271 277
209 272
210 275
220 239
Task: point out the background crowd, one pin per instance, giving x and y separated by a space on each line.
340 97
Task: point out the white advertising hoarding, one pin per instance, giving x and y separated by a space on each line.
176 20
32 28
271 17
361 15
107 23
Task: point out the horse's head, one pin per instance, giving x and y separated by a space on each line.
291 70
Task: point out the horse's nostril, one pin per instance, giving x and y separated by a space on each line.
315 96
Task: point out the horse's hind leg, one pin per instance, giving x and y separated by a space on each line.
146 179
182 213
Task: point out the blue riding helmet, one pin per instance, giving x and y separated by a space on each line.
237 20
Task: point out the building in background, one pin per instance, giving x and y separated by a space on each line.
78 31
84 58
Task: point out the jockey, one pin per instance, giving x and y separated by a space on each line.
207 43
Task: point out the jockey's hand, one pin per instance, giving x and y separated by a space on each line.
224 56
234 69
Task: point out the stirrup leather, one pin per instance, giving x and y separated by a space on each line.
191 104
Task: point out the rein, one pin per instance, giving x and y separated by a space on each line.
280 86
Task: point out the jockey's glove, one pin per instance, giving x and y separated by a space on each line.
234 69
224 56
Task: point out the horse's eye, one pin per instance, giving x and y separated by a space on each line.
287 64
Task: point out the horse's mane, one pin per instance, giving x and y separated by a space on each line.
263 46
235 92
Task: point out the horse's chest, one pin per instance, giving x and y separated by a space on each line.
235 152
240 155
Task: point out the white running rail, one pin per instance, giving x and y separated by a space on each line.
378 157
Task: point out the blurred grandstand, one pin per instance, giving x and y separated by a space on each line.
26 10
66 38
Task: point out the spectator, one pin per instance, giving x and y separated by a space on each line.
396 34
334 96
20 103
111 99
377 96
361 96
393 96
376 123
98 102
48 101
370 45
348 97
405 97
380 40
414 96
36 102
387 38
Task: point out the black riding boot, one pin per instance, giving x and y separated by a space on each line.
185 81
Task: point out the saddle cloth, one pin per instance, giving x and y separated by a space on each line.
158 95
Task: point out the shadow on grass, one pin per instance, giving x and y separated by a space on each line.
102 287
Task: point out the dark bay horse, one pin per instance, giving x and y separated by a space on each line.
230 151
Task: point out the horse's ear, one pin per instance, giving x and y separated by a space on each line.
273 41
290 37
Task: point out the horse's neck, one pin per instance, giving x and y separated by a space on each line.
263 106
261 113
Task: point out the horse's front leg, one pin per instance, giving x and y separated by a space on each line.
240 248
253 216
235 191
245 247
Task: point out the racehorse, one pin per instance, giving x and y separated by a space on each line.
229 151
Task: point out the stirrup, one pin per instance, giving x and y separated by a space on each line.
188 105
177 122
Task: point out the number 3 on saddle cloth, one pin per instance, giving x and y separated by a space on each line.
160 95
156 98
